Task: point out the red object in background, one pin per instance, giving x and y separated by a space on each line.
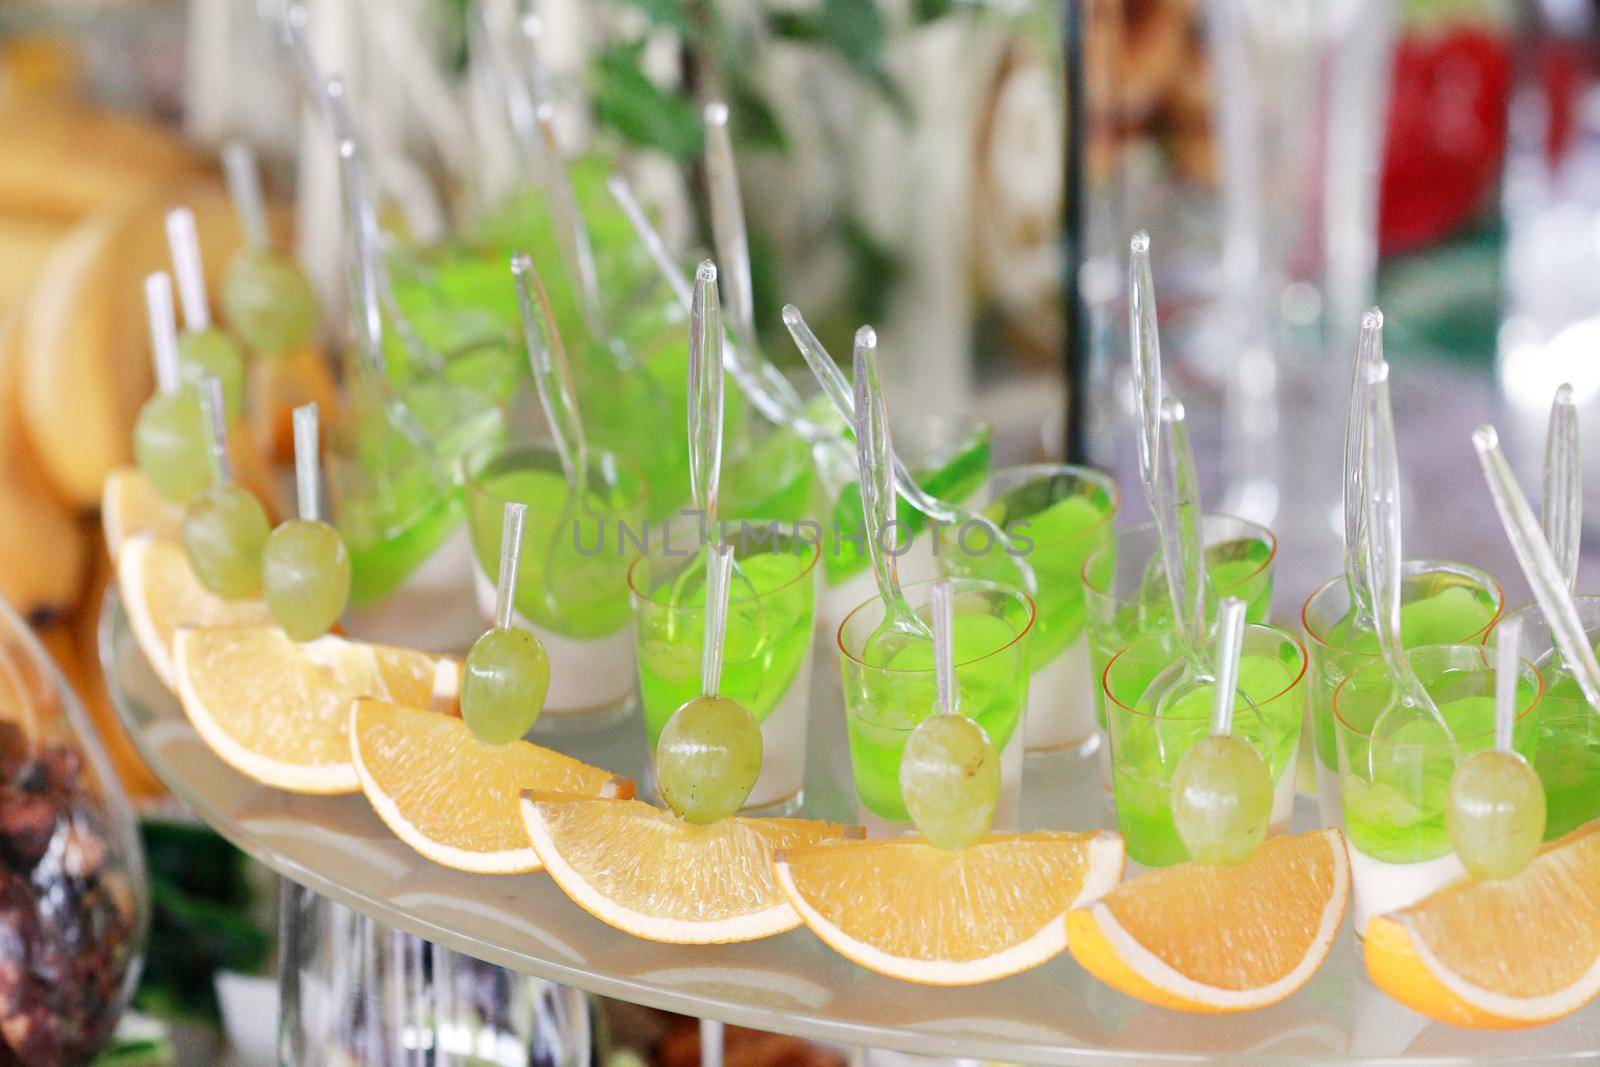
1446 135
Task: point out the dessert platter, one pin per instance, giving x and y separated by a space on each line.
554 663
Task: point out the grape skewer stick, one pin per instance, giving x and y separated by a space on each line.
1411 703
244 189
876 464
1368 352
777 407
307 468
184 243
505 590
1563 486
217 421
163 331
835 385
506 675
1539 565
949 774
1221 793
1495 809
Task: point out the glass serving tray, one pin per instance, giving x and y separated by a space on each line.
792 984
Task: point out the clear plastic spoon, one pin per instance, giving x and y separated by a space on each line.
1539 565
781 407
552 379
1411 705
1145 342
733 251
1563 486
1368 352
875 458
1177 511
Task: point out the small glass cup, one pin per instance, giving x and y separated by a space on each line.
1125 595
948 456
1336 650
1145 748
1394 800
884 703
766 663
1567 755
1058 516
572 578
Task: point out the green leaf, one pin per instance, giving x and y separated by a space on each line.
931 10
754 122
874 270
856 31
638 109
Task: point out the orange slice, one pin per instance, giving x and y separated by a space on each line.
279 712
130 505
649 873
1499 955
1219 939
912 911
161 593
452 797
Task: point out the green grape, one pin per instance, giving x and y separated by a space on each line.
503 684
305 572
708 758
950 780
213 352
1221 800
224 532
268 300
172 444
1495 814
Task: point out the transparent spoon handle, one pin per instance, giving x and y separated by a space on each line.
244 188
505 592
184 242
1383 563
727 224
1563 486
1507 661
944 660
1178 523
552 376
1538 565
163 330
307 469
293 26
758 379
361 254
571 230
705 390
875 456
1368 352
838 389
650 237
1146 344
217 422
719 575
1230 646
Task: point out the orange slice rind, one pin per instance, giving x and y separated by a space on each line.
160 594
906 909
130 505
650 874
453 798
1219 939
1499 955
279 712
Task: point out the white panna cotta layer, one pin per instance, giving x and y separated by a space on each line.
1061 701
1381 887
783 743
587 675
431 610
